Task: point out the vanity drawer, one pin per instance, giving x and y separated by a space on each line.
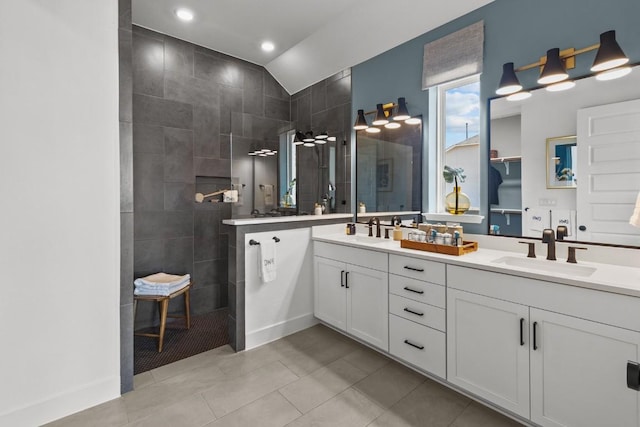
355 256
417 290
419 345
418 312
417 268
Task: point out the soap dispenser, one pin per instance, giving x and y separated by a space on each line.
397 232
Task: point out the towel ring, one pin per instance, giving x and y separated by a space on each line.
255 242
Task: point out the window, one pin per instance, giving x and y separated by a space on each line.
458 110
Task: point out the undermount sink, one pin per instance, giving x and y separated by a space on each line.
543 265
366 239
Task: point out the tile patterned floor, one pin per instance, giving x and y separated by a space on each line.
316 377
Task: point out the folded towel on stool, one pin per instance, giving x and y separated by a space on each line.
160 284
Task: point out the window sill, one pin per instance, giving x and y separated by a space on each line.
447 217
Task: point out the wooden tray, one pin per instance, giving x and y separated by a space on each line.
441 249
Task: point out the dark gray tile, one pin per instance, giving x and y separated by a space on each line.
191 90
273 88
149 257
179 196
212 167
240 319
178 155
125 75
293 110
126 167
319 121
263 128
231 292
148 139
218 70
147 65
253 98
124 14
126 258
147 33
178 56
225 146
203 300
178 256
207 273
339 92
230 102
178 224
233 339
336 119
207 244
126 348
148 187
276 108
319 97
162 112
304 113
304 92
223 300
237 123
206 132
336 76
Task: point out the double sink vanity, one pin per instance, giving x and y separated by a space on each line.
549 342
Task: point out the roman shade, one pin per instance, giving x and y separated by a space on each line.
454 56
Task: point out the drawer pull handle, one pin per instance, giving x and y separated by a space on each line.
633 375
413 312
419 347
522 331
535 341
406 288
346 279
420 270
342 279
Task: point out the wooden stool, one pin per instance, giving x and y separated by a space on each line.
163 302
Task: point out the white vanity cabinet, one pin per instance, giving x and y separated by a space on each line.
509 344
417 319
352 296
488 349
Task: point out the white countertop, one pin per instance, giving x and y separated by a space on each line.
607 277
290 218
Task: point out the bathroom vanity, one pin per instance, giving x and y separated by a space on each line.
551 343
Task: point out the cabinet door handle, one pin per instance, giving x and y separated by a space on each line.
346 279
419 347
406 288
522 331
535 343
414 268
413 312
342 279
633 375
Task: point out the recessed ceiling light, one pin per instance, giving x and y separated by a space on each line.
184 14
268 46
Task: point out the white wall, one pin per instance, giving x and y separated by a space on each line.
551 114
285 305
59 222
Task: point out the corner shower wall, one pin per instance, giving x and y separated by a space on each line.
187 101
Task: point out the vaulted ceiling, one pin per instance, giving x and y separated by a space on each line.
313 38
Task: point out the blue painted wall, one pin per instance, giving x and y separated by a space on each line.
517 31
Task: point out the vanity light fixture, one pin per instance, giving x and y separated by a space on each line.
309 140
308 137
610 63
322 135
383 114
381 117
262 152
298 139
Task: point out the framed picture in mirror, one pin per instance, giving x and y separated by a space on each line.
384 175
562 162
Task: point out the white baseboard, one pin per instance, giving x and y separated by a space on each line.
64 404
270 333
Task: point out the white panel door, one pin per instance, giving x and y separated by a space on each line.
330 304
368 305
608 172
578 373
488 349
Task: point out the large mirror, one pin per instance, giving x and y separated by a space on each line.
389 169
527 142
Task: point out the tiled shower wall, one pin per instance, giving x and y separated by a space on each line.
186 102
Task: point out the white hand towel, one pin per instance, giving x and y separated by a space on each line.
267 260
268 194
635 218
537 220
162 279
564 217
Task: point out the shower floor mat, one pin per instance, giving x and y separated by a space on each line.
208 331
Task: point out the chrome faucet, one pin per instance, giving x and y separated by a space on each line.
548 237
377 221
